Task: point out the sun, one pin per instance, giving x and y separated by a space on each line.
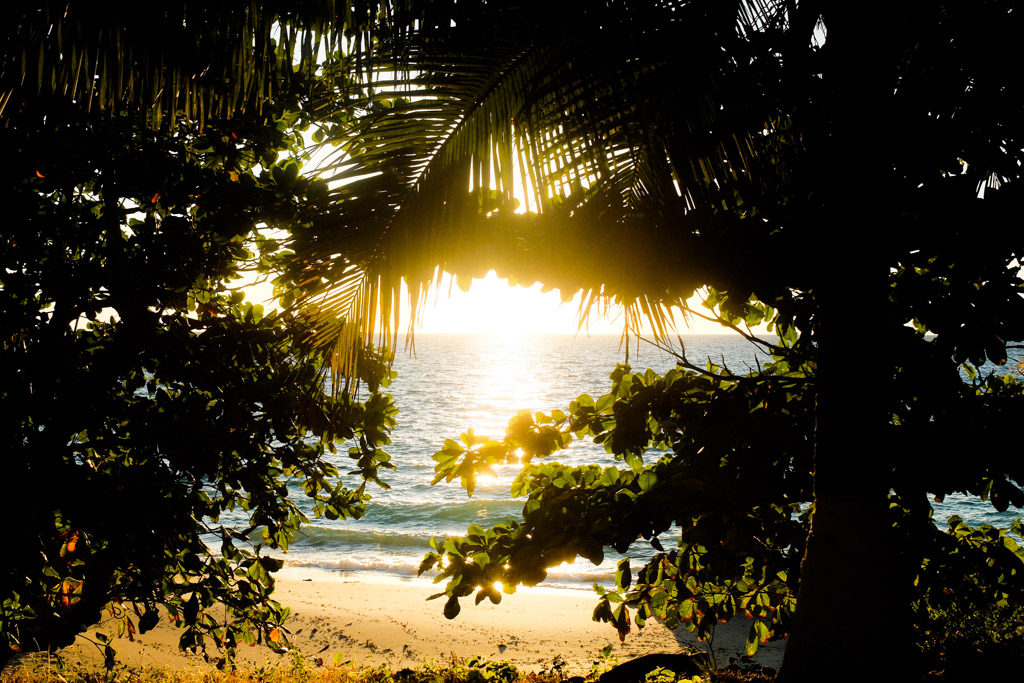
492 306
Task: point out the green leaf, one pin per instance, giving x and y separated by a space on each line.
452 608
753 641
623 575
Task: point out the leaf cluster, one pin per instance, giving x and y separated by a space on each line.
172 61
721 465
157 427
697 450
968 599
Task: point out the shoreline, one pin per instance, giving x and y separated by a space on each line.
373 621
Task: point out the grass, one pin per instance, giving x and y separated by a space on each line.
299 670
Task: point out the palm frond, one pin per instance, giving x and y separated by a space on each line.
626 127
185 59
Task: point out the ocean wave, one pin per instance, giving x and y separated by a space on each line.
395 565
580 575
344 540
456 383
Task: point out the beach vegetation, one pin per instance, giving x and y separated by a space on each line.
605 662
735 556
482 670
847 176
455 671
164 436
969 606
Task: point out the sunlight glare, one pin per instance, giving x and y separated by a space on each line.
484 479
492 306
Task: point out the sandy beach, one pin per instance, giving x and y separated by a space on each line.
368 623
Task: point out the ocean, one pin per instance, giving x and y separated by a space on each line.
455 382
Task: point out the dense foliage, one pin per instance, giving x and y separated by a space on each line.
850 174
720 464
179 61
698 447
156 425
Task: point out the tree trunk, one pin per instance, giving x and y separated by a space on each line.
852 585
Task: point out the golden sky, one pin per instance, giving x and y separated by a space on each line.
492 306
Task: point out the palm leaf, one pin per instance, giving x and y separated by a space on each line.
191 59
620 125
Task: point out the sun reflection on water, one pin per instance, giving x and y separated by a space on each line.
505 381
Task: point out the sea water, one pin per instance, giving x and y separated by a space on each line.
456 382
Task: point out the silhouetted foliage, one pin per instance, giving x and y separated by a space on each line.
157 427
180 60
848 173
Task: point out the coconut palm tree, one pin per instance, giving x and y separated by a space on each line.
641 118
777 151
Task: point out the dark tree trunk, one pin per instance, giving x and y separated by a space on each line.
852 584
852 580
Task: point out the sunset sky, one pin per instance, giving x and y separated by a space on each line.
493 307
